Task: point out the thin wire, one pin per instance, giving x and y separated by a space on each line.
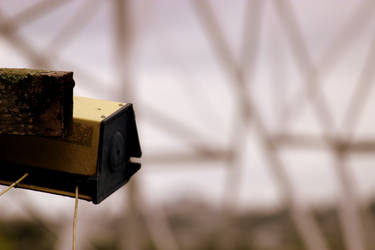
75 219
14 184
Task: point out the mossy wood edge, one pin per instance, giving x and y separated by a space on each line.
36 102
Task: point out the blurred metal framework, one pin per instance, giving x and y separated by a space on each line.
240 78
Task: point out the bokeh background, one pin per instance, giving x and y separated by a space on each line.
255 118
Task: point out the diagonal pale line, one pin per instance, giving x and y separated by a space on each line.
18 42
332 56
34 12
348 210
196 91
189 83
216 37
8 30
279 83
13 184
176 128
35 57
39 61
251 39
344 39
304 62
305 224
361 93
73 26
192 87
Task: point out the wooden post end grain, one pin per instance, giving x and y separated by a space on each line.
36 102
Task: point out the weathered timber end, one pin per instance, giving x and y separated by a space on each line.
36 102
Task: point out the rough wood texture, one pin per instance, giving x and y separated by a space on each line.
36 102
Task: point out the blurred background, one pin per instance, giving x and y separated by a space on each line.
255 119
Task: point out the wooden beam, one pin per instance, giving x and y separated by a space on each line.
36 102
